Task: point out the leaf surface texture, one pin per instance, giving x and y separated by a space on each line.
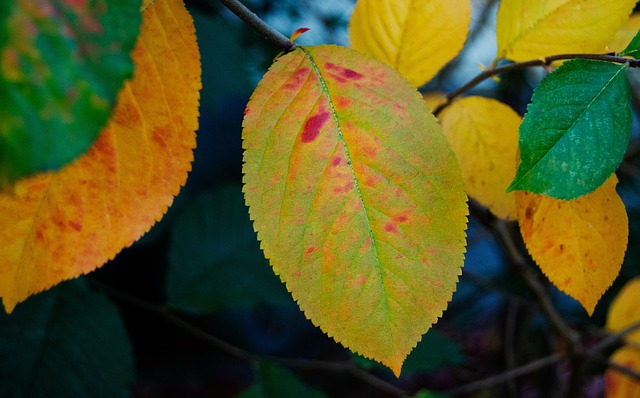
62 64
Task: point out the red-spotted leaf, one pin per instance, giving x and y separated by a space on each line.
357 198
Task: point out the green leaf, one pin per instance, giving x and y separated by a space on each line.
274 382
61 65
67 342
357 198
576 130
215 260
633 49
433 352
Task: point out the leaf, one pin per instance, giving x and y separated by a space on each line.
578 244
356 196
531 29
633 49
621 41
619 385
276 382
62 63
483 133
576 129
60 225
416 37
624 310
65 343
215 260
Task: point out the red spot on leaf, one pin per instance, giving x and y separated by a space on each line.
400 219
312 127
425 261
310 250
391 227
343 189
346 73
398 256
336 161
76 226
343 102
361 280
246 110
298 78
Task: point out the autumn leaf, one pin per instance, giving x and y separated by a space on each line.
356 196
576 129
624 310
530 29
578 244
617 384
483 133
62 64
416 37
57 226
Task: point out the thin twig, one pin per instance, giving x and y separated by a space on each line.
190 329
517 260
526 64
253 20
507 376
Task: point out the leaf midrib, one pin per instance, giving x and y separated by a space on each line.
334 115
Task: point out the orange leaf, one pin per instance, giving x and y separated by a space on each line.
57 226
617 384
624 310
356 196
579 244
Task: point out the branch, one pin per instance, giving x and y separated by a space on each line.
251 19
526 64
506 376
188 328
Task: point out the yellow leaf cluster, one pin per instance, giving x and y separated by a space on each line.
416 37
58 226
625 312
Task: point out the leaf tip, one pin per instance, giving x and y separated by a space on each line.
297 34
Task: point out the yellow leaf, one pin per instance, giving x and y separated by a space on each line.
531 29
57 226
416 37
624 310
624 35
357 198
579 244
483 133
617 384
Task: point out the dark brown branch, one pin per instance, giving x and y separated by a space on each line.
526 64
251 19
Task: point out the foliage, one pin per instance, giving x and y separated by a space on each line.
356 188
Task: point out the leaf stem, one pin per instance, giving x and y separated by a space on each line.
253 20
492 71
